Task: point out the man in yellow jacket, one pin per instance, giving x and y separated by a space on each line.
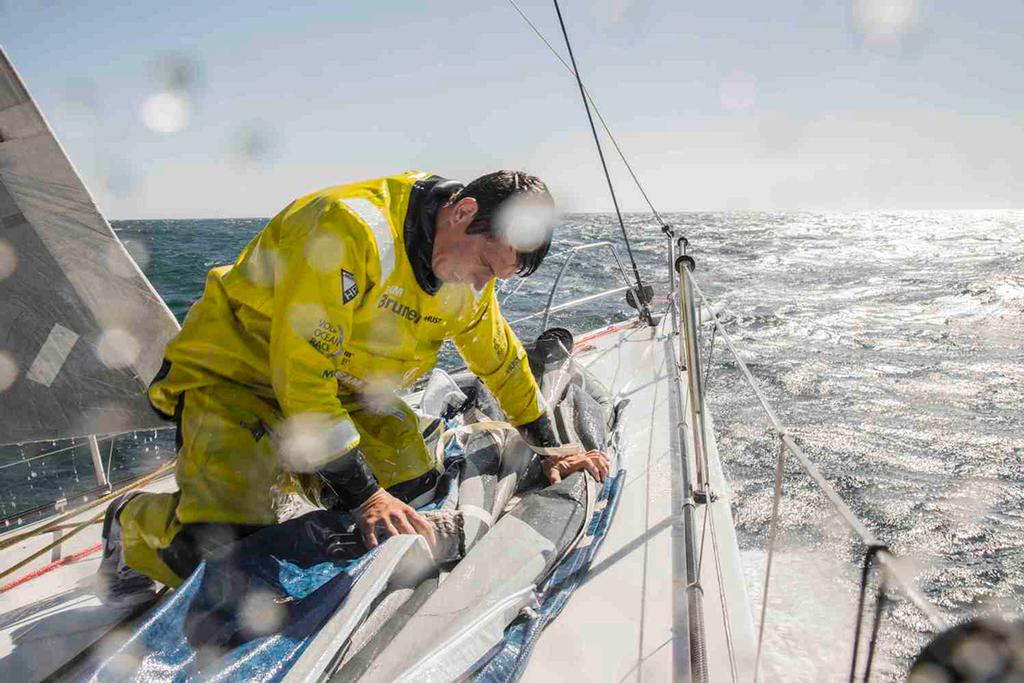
292 360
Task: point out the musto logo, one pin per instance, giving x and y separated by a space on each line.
398 308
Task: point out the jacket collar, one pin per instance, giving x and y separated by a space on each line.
425 198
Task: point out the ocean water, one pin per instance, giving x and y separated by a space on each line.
890 344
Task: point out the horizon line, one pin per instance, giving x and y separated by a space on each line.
635 213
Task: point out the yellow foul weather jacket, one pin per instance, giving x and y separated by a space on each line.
326 309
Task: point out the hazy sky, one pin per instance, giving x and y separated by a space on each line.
234 108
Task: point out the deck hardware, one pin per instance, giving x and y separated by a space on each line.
570 255
55 552
637 298
689 353
870 559
97 461
704 496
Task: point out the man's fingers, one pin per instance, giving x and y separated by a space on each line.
601 460
424 527
389 527
595 462
401 522
370 537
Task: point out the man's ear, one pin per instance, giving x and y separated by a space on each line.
464 211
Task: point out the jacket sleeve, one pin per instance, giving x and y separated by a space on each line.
320 277
494 354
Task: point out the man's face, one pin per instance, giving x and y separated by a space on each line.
473 259
481 258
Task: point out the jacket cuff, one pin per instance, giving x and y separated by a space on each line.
351 479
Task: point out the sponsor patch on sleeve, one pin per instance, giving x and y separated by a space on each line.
349 288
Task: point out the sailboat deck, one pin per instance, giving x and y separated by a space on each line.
622 622
55 614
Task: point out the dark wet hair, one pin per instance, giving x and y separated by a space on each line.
494 189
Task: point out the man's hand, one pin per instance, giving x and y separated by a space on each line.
594 462
382 511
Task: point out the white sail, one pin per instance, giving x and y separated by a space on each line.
81 329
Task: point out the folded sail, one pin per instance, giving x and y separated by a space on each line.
81 329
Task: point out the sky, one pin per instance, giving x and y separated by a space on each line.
232 109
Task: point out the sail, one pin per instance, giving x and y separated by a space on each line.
81 329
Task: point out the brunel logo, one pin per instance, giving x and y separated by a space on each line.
398 308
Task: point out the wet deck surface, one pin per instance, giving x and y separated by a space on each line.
50 618
618 625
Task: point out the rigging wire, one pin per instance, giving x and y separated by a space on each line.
515 290
41 455
600 117
641 299
881 598
773 533
730 647
883 557
870 558
588 102
710 357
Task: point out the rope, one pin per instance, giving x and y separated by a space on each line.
498 426
80 527
870 557
49 526
597 111
645 312
89 522
73 557
612 329
773 532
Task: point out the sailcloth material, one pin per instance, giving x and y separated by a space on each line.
81 329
